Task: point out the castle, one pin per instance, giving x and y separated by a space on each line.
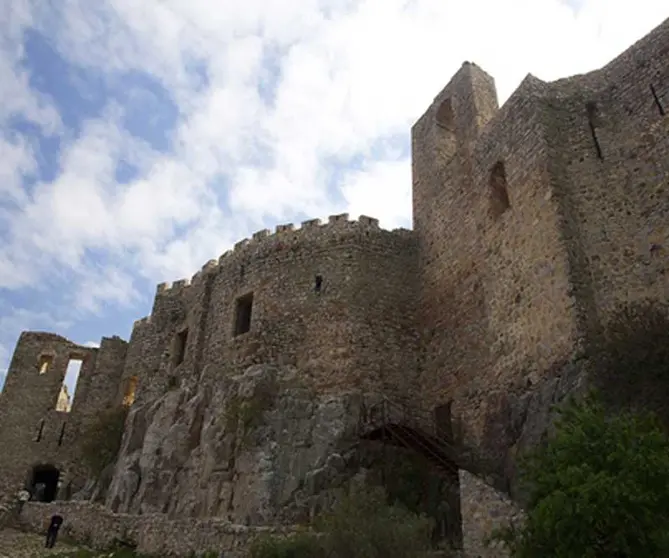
534 223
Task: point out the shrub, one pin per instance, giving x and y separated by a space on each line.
361 525
598 488
301 545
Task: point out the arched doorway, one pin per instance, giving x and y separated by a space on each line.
44 483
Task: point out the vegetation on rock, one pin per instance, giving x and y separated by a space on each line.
598 488
361 525
245 413
101 440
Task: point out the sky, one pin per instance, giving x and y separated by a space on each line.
140 139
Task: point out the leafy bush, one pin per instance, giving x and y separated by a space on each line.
301 545
361 525
101 440
598 488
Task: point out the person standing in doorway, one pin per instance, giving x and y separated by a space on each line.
52 531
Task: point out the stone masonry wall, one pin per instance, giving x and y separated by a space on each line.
504 314
534 223
358 331
511 294
619 222
32 432
484 510
153 534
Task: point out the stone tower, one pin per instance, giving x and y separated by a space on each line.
536 224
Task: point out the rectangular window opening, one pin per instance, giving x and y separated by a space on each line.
180 342
62 435
130 390
69 385
44 363
243 310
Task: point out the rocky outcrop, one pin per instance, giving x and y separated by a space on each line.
254 448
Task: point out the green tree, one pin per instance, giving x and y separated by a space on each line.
598 488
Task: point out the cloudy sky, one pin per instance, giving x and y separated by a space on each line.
138 139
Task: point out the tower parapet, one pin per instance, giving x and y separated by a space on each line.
285 236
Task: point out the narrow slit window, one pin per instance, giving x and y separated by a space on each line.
44 363
130 391
593 122
658 101
40 429
180 343
69 385
499 194
62 435
318 283
243 311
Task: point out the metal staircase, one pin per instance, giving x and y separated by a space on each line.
393 422
398 423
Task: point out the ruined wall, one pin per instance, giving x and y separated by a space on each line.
32 432
96 392
357 330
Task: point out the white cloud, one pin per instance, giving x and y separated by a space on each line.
383 189
347 73
15 320
17 162
18 98
106 285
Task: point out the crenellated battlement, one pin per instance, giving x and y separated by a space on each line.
309 230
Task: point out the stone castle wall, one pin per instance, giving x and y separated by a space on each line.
153 534
358 331
530 237
609 133
534 223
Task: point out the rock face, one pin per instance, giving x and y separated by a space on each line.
255 448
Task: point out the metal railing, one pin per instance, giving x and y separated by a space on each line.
417 430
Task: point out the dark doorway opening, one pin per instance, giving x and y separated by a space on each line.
44 483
